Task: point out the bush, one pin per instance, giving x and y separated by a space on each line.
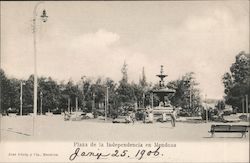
244 118
227 112
139 115
184 114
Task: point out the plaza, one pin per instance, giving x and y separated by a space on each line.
55 129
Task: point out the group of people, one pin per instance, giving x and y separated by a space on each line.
165 104
131 117
148 116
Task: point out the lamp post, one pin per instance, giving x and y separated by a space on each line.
44 19
116 102
107 103
21 98
152 100
247 105
242 102
93 105
76 104
143 99
69 111
41 104
83 98
206 108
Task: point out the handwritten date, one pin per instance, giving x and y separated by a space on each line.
140 154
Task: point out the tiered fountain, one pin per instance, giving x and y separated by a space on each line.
164 95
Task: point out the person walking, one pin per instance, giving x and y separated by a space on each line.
150 117
66 116
164 117
173 117
128 118
133 117
144 116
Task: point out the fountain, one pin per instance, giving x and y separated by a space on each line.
164 95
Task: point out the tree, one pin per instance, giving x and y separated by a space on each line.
142 92
14 93
237 81
111 85
228 83
112 95
125 91
28 92
220 105
124 71
137 93
70 92
87 94
187 95
143 81
99 90
4 91
50 94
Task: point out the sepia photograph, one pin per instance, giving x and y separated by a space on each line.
140 77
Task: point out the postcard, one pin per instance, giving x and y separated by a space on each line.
124 81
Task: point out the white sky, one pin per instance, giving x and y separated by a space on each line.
94 39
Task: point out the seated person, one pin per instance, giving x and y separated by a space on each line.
167 103
161 104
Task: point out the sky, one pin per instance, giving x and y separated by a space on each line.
94 39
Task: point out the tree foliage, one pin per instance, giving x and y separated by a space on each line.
237 81
89 94
187 95
124 71
5 90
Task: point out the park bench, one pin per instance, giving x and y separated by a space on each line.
229 129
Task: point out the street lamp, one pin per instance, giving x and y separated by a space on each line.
83 100
247 107
206 108
93 104
41 104
44 19
44 16
107 103
21 98
143 99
